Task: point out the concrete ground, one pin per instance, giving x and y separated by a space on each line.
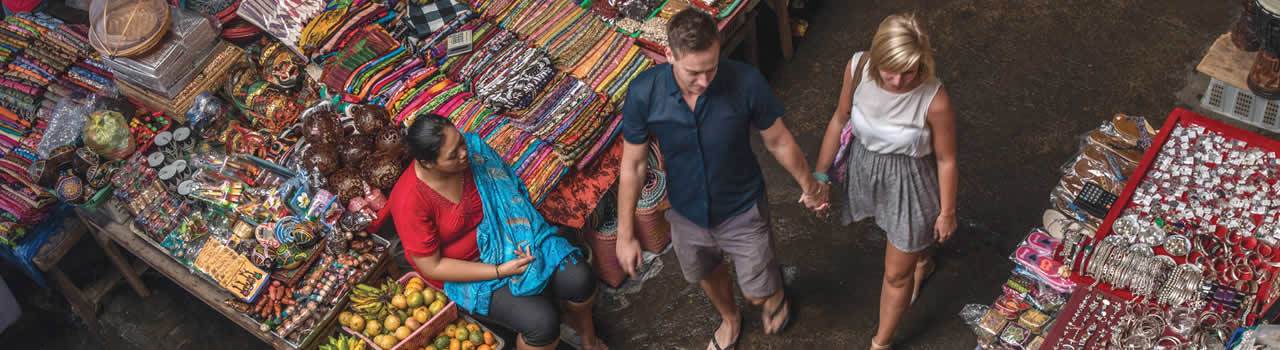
1026 78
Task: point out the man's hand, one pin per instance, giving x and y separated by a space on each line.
629 254
816 197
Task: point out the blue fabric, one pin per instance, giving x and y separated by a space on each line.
510 221
711 141
24 254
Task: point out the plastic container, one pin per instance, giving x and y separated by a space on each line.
168 67
423 334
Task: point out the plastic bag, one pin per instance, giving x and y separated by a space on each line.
1107 156
68 119
107 134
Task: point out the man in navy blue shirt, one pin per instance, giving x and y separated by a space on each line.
701 111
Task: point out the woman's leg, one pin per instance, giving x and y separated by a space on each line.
534 317
924 267
576 285
895 293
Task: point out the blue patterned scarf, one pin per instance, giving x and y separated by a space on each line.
510 221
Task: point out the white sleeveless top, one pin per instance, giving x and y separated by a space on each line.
890 123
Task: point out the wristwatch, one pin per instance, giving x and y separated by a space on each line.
822 177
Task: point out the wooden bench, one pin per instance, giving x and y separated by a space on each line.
85 301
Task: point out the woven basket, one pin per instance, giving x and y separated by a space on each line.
653 231
604 251
128 28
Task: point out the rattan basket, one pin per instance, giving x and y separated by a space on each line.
128 27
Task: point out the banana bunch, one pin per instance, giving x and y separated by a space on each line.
374 303
343 342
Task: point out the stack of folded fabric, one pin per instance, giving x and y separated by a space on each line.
283 19
564 112
336 28
22 202
506 73
581 43
42 61
363 46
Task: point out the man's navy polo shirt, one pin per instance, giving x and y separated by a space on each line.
712 173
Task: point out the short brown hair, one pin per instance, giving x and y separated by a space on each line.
691 30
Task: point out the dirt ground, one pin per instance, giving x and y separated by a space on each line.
1026 78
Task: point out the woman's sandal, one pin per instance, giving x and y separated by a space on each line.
733 344
773 314
875 346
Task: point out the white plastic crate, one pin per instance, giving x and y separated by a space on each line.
1242 105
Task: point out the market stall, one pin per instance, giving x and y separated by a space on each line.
248 171
1181 256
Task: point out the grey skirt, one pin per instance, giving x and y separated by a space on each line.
899 191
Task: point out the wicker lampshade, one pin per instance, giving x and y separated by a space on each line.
127 27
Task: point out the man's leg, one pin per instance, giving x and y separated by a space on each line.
701 261
719 289
748 239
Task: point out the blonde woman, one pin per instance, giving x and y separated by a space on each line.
900 161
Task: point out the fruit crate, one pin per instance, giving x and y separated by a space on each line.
424 333
499 344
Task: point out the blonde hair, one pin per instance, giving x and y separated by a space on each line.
901 45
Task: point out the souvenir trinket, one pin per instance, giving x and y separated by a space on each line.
369 119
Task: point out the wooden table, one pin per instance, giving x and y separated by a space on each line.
112 223
86 301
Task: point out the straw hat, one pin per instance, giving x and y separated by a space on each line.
127 27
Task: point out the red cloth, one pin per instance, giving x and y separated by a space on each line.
427 222
570 203
16 6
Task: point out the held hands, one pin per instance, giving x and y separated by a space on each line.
516 266
817 198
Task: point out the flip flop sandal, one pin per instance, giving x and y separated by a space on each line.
733 345
773 315
1039 240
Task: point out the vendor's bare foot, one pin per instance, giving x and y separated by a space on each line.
726 337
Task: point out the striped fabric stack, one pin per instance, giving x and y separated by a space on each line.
42 61
565 112
582 44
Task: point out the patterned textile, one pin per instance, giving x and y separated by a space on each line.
428 18
579 193
283 19
510 222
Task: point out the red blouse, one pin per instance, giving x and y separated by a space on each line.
428 222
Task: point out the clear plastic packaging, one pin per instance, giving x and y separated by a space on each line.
1107 157
175 61
65 126
107 133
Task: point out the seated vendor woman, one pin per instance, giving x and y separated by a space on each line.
467 225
